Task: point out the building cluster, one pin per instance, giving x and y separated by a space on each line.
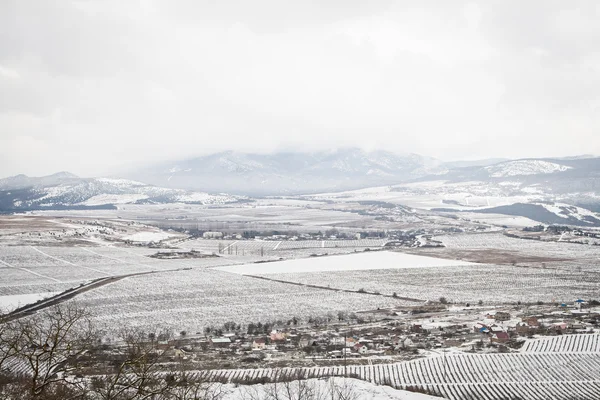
503 326
392 337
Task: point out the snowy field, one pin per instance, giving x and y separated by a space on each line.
333 388
461 284
517 246
499 219
29 270
146 237
193 299
351 262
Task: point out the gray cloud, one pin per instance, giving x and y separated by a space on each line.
97 86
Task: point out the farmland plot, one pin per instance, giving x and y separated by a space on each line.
28 257
470 376
359 261
579 343
532 247
491 283
194 299
28 270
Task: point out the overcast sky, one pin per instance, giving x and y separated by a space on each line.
95 86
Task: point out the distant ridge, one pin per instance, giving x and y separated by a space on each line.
64 190
289 172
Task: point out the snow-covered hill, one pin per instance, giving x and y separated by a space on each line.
549 213
67 190
524 167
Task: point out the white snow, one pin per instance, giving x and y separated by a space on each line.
349 388
349 262
120 182
113 199
10 303
468 195
567 210
194 197
524 167
499 219
148 236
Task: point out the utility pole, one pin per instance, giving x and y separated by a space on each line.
345 341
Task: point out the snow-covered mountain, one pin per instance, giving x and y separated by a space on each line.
524 167
528 170
24 181
550 191
67 190
549 213
290 172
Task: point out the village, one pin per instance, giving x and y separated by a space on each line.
373 337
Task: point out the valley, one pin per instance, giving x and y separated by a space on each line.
420 286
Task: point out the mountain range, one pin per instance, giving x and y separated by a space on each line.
572 180
289 172
569 180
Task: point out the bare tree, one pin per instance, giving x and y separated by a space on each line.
137 373
295 386
8 338
47 343
184 387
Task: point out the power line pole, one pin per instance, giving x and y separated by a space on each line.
345 344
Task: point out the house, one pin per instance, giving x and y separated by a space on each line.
502 316
212 235
524 329
336 341
576 326
579 313
336 354
220 342
490 315
305 341
531 321
500 337
361 348
350 342
560 327
163 345
259 344
408 344
278 336
180 353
